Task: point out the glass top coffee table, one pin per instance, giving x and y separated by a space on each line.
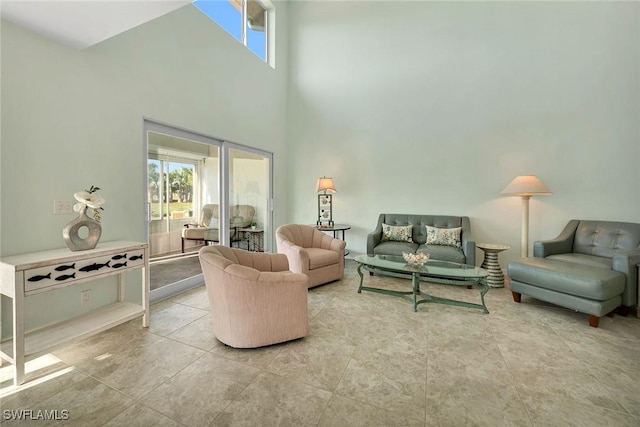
435 271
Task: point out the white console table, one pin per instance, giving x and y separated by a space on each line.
47 271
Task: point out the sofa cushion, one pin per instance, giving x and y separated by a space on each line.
394 248
322 257
582 259
443 253
570 278
397 233
444 236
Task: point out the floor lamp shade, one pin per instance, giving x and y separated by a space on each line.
525 186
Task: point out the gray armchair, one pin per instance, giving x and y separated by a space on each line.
591 267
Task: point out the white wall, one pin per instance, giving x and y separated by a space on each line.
72 119
434 107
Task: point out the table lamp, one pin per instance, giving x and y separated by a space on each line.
525 186
325 203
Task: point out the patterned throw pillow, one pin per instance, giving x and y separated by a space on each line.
444 236
398 233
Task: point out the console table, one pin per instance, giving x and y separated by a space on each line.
28 274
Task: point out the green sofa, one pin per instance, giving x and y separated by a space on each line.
591 267
466 254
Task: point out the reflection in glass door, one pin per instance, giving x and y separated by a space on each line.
249 194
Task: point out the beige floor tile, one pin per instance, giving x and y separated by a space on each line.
87 402
343 411
274 400
49 378
198 393
196 297
170 317
473 400
316 361
84 354
141 369
555 410
622 384
141 416
390 377
256 357
198 333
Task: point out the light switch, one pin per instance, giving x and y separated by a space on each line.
62 207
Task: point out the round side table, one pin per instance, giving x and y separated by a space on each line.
491 264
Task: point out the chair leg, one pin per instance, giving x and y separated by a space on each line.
611 313
593 321
516 296
183 245
623 310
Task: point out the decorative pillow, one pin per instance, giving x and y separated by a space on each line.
398 233
444 236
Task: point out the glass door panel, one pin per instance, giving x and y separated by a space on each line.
249 195
177 180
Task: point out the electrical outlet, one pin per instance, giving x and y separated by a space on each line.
85 297
62 207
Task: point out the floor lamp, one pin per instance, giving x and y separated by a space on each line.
525 186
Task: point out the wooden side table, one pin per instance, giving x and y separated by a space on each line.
491 264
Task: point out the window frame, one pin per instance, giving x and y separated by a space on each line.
269 19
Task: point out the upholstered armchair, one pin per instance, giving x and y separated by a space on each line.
590 267
207 230
311 252
255 300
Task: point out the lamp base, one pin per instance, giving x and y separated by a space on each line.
325 210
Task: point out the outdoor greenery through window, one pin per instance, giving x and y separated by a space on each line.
170 188
246 20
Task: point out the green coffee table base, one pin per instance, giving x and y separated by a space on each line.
415 293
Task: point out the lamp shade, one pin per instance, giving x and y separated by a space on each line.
325 184
526 185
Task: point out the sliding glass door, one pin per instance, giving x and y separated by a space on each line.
186 172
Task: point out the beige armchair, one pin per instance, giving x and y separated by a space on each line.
255 300
207 229
311 252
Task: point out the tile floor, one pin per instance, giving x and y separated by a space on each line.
368 361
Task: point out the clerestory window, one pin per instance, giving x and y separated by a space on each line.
245 20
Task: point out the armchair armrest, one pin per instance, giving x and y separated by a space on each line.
338 245
194 225
626 263
563 243
297 255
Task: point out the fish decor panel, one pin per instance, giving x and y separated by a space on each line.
56 274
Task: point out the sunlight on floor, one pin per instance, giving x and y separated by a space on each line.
44 363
